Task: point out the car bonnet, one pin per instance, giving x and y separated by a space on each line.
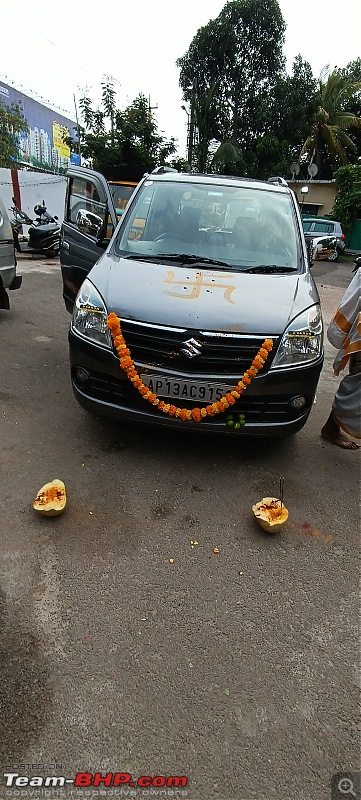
202 298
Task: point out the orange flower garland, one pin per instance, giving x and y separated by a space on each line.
196 414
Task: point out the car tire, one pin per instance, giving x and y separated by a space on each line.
335 256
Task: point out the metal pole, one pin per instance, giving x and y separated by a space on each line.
77 125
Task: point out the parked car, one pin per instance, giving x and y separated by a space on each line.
8 277
200 270
314 227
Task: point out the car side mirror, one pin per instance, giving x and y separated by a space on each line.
90 223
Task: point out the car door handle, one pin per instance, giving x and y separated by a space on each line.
66 246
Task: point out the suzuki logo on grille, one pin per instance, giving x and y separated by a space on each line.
191 348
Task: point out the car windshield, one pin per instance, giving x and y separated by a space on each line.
231 226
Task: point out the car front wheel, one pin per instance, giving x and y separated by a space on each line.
335 256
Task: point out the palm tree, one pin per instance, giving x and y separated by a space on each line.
329 145
226 158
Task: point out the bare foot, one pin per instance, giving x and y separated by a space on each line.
332 433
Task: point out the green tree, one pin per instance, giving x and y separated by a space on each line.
203 104
12 123
295 101
285 121
227 159
239 52
347 206
111 136
353 73
179 163
329 144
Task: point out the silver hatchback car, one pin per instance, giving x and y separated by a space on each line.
8 277
203 288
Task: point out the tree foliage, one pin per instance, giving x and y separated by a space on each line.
347 206
353 73
233 76
234 61
12 123
111 136
203 104
286 122
329 143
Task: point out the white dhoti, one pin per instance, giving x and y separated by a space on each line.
346 407
344 332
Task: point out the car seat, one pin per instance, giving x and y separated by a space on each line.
246 233
186 224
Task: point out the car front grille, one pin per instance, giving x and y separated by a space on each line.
220 354
118 392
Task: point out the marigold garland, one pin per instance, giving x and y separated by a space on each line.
196 414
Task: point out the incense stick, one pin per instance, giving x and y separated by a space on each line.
282 486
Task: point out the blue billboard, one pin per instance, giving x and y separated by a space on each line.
43 145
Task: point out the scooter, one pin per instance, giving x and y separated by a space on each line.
43 233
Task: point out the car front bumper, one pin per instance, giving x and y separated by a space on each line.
266 404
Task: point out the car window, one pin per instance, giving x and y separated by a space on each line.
83 194
307 225
323 227
121 193
239 226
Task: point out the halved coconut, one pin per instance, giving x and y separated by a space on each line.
270 514
51 499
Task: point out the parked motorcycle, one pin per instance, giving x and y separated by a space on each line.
43 233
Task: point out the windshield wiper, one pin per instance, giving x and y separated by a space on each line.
186 258
190 258
270 268
136 257
180 258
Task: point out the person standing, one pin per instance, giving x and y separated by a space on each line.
344 332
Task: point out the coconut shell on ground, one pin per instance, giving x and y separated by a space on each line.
51 499
270 514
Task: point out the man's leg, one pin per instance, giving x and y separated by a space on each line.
332 432
345 414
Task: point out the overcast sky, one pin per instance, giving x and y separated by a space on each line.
53 50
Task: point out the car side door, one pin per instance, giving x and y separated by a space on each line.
89 222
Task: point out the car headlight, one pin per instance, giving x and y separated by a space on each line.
302 340
90 315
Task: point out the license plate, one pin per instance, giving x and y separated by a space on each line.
199 391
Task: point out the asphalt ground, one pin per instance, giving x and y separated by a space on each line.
237 669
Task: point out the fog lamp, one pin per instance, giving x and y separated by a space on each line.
298 402
82 375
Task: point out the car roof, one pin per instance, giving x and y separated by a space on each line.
317 219
217 180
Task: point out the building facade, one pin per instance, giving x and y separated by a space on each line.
319 199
